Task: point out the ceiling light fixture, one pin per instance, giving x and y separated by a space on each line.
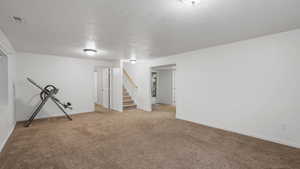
90 52
192 2
132 60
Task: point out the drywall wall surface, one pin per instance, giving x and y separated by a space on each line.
5 44
7 113
140 73
3 80
117 89
165 87
74 78
250 87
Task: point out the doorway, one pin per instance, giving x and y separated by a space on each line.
108 89
103 89
163 88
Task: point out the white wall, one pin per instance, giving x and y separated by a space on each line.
117 89
164 87
250 87
3 80
74 77
141 74
7 114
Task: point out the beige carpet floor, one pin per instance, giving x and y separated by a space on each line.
138 140
164 108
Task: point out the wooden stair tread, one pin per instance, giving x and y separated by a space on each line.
128 102
129 105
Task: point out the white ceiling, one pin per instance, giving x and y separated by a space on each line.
165 67
142 28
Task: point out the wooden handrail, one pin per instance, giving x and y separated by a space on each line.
129 78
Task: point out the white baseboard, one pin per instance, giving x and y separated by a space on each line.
256 135
53 115
7 137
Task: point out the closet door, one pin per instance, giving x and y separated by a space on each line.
174 87
106 88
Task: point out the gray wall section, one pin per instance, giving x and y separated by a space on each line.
3 80
7 78
165 87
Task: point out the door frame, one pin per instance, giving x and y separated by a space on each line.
151 69
97 68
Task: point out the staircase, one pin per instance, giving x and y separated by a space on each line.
128 103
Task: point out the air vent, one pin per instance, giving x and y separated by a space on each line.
17 19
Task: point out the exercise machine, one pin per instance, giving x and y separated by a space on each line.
48 92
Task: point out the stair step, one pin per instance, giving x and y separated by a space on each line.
129 106
126 97
128 101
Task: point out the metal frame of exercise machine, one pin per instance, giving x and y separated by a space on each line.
47 93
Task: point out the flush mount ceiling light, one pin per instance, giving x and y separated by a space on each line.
132 60
90 52
191 2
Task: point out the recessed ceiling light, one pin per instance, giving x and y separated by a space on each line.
192 2
90 52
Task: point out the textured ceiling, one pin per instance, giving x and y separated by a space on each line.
141 28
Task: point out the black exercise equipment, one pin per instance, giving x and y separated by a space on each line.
47 93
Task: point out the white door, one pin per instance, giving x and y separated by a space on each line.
96 87
173 87
103 86
99 86
106 88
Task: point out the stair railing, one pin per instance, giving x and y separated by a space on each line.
130 85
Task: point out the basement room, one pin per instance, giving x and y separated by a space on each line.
149 84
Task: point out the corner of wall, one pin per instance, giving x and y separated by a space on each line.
7 137
8 116
250 134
